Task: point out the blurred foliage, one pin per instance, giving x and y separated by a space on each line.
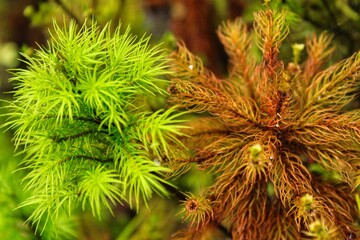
9 54
43 13
11 194
156 222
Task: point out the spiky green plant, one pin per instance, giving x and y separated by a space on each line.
276 136
81 118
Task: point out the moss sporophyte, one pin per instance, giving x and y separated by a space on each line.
268 125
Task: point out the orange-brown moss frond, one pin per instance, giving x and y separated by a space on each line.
276 104
250 215
266 96
276 97
186 65
278 224
237 42
327 130
348 124
223 153
333 88
290 177
190 68
318 50
277 134
195 97
271 29
332 132
197 210
205 130
339 199
229 191
237 111
333 161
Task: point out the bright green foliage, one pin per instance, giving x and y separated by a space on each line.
12 221
79 114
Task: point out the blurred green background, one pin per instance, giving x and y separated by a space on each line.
25 25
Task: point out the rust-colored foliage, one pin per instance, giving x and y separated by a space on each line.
267 126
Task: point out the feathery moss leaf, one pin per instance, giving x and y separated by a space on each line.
78 115
268 123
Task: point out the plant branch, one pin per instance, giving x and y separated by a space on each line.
78 135
91 158
181 197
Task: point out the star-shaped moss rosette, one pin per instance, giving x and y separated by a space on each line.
275 135
80 116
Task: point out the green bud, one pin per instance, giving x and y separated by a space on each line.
297 50
266 2
318 228
255 150
307 200
28 11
